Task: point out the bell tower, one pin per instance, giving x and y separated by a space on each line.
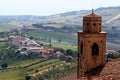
91 44
92 23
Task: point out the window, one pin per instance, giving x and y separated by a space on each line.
81 48
94 24
95 49
100 24
87 24
99 29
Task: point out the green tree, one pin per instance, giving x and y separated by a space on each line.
62 57
4 65
69 52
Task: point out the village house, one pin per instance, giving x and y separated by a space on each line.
27 46
32 43
19 41
58 54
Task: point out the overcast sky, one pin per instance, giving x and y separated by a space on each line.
49 7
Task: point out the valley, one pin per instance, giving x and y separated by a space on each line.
57 32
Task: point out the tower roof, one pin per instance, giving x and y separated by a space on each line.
92 23
92 15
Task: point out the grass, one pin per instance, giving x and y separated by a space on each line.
67 41
43 64
64 37
48 66
25 63
20 73
61 45
2 44
12 75
65 46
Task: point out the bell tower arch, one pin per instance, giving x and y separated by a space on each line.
91 44
95 49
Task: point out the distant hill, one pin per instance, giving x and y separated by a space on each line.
110 15
111 18
5 26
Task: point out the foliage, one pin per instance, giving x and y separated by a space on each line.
62 58
57 72
68 58
113 56
27 77
65 37
69 52
59 49
10 55
4 65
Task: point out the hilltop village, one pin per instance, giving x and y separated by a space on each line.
27 46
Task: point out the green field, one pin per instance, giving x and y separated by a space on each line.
60 45
24 63
64 37
19 73
12 75
41 65
2 44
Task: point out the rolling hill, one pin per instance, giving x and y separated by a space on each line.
5 26
68 22
110 15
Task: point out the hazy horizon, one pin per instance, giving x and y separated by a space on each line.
50 7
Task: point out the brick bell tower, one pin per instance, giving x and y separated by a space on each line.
91 44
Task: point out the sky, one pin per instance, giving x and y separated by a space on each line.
50 7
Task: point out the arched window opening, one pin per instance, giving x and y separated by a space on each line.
87 24
95 49
94 24
81 48
99 29
99 24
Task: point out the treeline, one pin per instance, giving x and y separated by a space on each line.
58 72
10 55
65 28
67 52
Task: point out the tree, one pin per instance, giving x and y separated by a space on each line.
50 45
62 57
41 44
69 52
4 65
49 40
31 37
59 41
27 77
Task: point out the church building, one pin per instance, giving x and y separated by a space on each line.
91 44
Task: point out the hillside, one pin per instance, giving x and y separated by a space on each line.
66 23
111 17
5 26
